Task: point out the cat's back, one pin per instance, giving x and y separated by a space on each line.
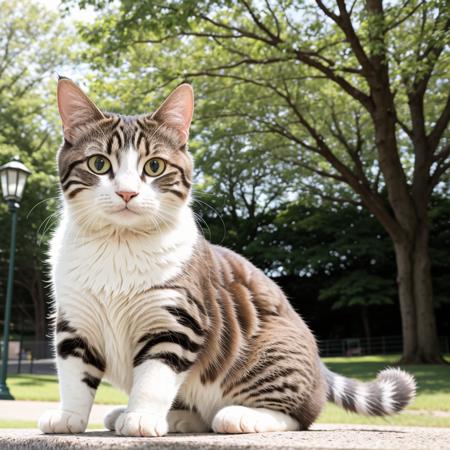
245 282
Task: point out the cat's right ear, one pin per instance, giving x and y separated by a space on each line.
75 109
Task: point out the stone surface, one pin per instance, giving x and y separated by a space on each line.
320 437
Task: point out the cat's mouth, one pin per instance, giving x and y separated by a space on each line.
125 210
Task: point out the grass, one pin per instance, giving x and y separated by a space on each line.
333 414
45 388
433 393
433 381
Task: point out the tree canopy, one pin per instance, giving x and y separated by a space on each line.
320 138
33 43
356 94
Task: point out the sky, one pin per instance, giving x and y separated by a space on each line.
76 72
85 15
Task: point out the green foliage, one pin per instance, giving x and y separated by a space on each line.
359 288
439 245
230 54
35 44
283 122
262 188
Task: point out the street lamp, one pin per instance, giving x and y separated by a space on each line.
13 176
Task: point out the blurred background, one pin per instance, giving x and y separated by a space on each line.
320 137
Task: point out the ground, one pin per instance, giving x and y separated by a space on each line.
321 437
431 408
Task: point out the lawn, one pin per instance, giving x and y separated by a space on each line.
433 392
45 388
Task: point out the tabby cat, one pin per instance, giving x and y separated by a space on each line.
197 336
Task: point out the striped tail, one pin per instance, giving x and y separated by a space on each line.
389 393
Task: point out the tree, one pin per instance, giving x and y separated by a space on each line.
358 90
33 44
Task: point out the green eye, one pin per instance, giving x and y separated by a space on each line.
99 164
154 167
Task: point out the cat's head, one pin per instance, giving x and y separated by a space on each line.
132 172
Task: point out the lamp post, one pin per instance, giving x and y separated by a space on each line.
13 176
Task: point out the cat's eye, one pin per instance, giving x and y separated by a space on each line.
99 164
154 167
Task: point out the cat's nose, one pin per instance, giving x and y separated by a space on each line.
126 196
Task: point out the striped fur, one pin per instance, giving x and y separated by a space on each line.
195 334
391 392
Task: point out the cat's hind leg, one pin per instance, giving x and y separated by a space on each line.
184 421
110 419
243 419
179 420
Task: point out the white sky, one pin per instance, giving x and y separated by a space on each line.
85 15
76 72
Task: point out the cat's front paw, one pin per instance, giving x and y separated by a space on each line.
59 421
141 423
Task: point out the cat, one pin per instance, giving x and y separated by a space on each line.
198 337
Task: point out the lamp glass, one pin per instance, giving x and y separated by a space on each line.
22 178
13 179
4 180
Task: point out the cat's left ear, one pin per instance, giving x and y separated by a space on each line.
176 111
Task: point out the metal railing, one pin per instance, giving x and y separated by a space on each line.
380 345
30 356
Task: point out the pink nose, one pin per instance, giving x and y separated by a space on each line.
127 196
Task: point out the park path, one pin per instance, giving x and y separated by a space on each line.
26 410
31 410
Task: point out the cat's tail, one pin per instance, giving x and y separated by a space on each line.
391 391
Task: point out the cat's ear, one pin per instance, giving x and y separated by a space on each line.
176 111
75 108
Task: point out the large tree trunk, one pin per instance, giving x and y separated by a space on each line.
420 340
403 255
428 350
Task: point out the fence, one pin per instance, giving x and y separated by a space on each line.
382 345
30 356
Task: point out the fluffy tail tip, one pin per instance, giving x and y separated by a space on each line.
399 389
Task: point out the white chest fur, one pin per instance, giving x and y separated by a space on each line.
115 262
102 283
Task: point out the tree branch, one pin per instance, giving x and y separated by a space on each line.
441 168
344 22
328 197
274 38
330 73
440 126
398 21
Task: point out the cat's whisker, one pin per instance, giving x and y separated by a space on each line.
224 228
43 225
40 203
200 219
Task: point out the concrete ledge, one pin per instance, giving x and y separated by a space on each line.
320 437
